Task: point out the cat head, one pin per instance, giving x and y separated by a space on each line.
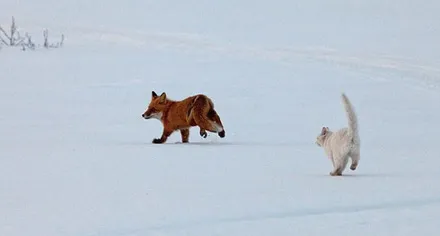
325 131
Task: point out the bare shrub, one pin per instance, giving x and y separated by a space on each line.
13 38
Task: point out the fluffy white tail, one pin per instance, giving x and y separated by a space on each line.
352 119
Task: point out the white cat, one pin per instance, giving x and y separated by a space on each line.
342 144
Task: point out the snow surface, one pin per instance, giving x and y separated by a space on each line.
76 156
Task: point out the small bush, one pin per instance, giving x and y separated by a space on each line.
13 38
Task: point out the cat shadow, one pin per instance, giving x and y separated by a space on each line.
362 175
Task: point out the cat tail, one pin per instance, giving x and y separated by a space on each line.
353 128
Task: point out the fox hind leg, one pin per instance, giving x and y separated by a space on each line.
216 122
203 133
207 123
204 116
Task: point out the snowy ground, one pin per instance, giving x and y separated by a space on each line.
76 157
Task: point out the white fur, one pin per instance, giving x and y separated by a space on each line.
156 115
342 144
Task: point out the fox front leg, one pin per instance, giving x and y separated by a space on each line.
185 135
164 137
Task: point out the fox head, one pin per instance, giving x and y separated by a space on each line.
156 107
325 131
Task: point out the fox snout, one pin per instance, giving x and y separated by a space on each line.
145 116
148 115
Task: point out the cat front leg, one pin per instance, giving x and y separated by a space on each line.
339 164
335 172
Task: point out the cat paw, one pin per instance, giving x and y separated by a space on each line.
335 173
353 166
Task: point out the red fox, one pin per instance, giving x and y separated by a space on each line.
197 110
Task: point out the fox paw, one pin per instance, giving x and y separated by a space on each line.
157 140
203 134
222 134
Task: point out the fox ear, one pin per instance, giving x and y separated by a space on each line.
163 97
154 94
324 130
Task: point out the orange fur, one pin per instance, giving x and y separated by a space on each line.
197 110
